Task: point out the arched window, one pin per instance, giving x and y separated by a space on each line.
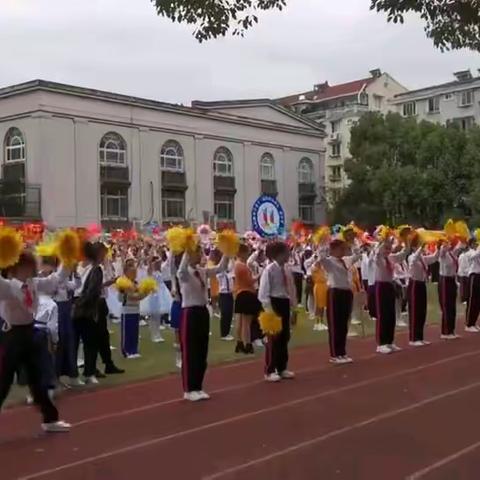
267 167
14 146
305 171
223 162
113 150
171 157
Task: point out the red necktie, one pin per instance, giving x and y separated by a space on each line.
27 296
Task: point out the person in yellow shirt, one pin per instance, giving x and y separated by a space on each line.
319 278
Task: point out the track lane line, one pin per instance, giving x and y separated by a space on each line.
208 426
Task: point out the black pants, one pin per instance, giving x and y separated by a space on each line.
225 303
298 280
447 295
463 281
194 336
308 290
86 331
417 309
473 302
385 311
371 301
276 349
103 335
18 349
339 309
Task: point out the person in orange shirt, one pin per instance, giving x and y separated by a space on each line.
319 279
214 258
247 305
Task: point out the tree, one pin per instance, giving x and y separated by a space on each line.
402 171
451 24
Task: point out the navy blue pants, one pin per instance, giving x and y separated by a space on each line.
65 358
130 333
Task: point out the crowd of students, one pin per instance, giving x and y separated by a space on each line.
52 315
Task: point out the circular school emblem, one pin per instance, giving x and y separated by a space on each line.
268 217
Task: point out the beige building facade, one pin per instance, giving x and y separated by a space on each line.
75 156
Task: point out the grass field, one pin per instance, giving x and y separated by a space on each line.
159 359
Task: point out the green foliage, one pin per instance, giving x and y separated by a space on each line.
451 24
402 171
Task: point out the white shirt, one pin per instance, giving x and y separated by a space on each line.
226 279
464 263
384 263
364 266
418 265
83 274
448 261
66 287
474 261
401 272
276 282
338 270
193 281
47 316
166 269
13 306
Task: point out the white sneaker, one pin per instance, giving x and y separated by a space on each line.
158 340
335 360
56 427
471 329
384 349
347 359
315 327
287 375
258 343
192 396
273 377
373 319
228 338
203 395
162 327
142 323
355 322
401 323
93 380
426 342
178 360
418 343
135 355
352 333
445 337
29 400
51 393
75 382
455 336
395 348
112 348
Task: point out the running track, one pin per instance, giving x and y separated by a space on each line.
411 415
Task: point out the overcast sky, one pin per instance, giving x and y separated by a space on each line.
122 46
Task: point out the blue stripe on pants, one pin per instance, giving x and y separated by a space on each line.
130 332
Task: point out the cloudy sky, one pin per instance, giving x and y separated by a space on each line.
122 46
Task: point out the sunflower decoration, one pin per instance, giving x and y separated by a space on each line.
147 286
228 242
270 323
321 235
124 284
68 248
11 246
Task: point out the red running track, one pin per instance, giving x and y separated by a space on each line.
409 415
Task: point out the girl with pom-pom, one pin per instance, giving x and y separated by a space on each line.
277 293
195 324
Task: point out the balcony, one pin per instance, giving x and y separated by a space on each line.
335 178
174 181
269 187
307 190
20 201
114 175
334 138
224 184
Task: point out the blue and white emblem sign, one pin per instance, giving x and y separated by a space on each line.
268 217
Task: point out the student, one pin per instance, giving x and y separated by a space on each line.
463 268
277 293
340 297
320 288
176 310
225 302
400 277
247 306
447 288
19 297
473 302
418 264
297 272
384 259
195 323
130 322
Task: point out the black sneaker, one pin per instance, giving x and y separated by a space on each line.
249 348
113 369
240 348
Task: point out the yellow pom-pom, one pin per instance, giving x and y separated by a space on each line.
11 246
147 286
321 235
68 248
191 240
462 230
449 228
228 242
124 284
46 249
477 234
430 236
270 322
175 238
384 232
